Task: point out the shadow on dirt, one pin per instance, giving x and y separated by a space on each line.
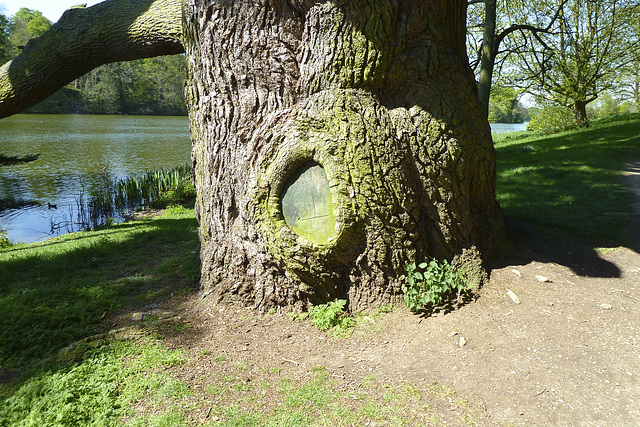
552 246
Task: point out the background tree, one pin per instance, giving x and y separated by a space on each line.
5 42
25 25
490 22
144 86
580 56
627 85
369 108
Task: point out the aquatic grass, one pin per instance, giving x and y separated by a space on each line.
571 181
56 292
157 189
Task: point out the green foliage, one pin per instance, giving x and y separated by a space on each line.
5 242
5 41
550 118
144 86
36 24
607 105
25 25
430 284
97 392
331 315
571 181
504 106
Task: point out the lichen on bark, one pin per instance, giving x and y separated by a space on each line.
378 94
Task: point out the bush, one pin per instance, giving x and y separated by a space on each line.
550 119
4 240
431 284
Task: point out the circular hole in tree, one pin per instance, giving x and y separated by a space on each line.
306 204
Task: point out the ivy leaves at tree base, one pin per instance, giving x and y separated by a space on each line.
431 284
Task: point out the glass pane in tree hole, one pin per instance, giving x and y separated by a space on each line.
306 204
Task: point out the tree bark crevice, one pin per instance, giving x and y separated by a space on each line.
376 97
406 152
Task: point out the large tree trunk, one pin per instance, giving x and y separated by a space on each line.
579 110
364 118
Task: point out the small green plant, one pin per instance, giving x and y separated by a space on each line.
298 317
242 366
430 284
385 309
4 240
331 315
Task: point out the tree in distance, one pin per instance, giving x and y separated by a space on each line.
587 48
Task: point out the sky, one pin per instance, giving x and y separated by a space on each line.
52 9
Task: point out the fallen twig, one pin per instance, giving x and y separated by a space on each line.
291 361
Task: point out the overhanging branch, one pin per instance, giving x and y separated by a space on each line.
85 38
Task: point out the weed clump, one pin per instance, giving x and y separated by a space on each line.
431 284
330 317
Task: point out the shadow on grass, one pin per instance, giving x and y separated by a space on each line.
565 195
57 292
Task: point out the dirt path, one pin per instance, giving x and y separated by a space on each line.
567 354
563 349
632 176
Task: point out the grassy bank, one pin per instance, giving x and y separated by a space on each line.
56 292
571 182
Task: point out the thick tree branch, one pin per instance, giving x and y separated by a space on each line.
85 38
516 27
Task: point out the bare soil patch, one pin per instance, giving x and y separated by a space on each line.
567 354
553 339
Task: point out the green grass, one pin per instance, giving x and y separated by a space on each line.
571 181
98 392
55 293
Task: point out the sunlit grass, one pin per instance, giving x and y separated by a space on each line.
54 293
571 181
98 392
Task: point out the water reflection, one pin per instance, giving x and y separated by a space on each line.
508 127
79 153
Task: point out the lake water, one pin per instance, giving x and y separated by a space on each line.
508 127
79 154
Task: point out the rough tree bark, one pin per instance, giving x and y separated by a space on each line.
85 38
488 53
334 143
379 94
579 111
